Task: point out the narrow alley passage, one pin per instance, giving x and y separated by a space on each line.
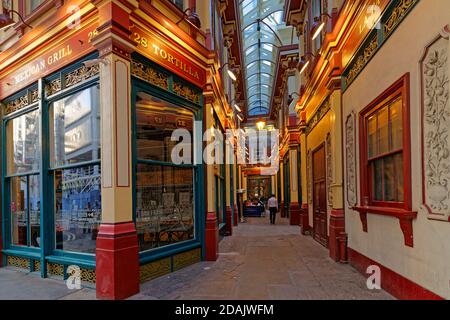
262 262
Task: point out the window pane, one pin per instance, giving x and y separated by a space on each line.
398 159
23 143
78 208
35 211
377 180
164 205
76 128
396 125
383 131
19 211
390 186
34 4
156 121
372 136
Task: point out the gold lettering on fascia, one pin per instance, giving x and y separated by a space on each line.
163 54
42 64
174 61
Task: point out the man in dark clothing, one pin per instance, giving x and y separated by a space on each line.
273 208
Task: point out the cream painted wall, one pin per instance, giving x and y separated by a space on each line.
428 263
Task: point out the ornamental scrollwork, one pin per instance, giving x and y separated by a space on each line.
53 87
362 59
309 170
16 104
150 75
329 163
350 152
397 15
80 74
436 129
186 92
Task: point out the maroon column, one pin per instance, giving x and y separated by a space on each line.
117 268
211 237
229 221
282 213
304 219
294 214
236 216
337 243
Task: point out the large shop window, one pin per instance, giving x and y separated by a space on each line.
22 136
385 153
164 190
75 157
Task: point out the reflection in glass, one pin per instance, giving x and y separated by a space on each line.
19 210
77 208
164 205
35 210
396 125
155 123
25 211
76 128
383 131
23 143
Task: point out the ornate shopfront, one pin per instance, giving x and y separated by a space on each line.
88 173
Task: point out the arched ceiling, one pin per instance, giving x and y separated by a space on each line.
263 32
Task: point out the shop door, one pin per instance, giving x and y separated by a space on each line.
320 197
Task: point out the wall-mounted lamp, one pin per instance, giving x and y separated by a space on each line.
290 98
319 24
6 20
232 71
304 63
190 15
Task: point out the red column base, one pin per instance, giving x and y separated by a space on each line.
294 215
236 216
211 237
304 220
282 213
117 268
338 237
229 221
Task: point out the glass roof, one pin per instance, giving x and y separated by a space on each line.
261 23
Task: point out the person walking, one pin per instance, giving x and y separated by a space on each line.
273 208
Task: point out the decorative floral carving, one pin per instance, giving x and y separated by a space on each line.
436 128
362 59
80 74
398 14
350 151
150 75
16 104
53 87
323 109
329 163
186 92
310 178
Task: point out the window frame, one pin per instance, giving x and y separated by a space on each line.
197 110
53 167
7 177
400 89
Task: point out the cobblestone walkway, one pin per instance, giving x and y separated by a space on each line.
261 261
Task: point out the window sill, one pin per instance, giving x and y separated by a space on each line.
405 218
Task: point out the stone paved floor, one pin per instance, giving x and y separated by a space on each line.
260 261
16 285
264 262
